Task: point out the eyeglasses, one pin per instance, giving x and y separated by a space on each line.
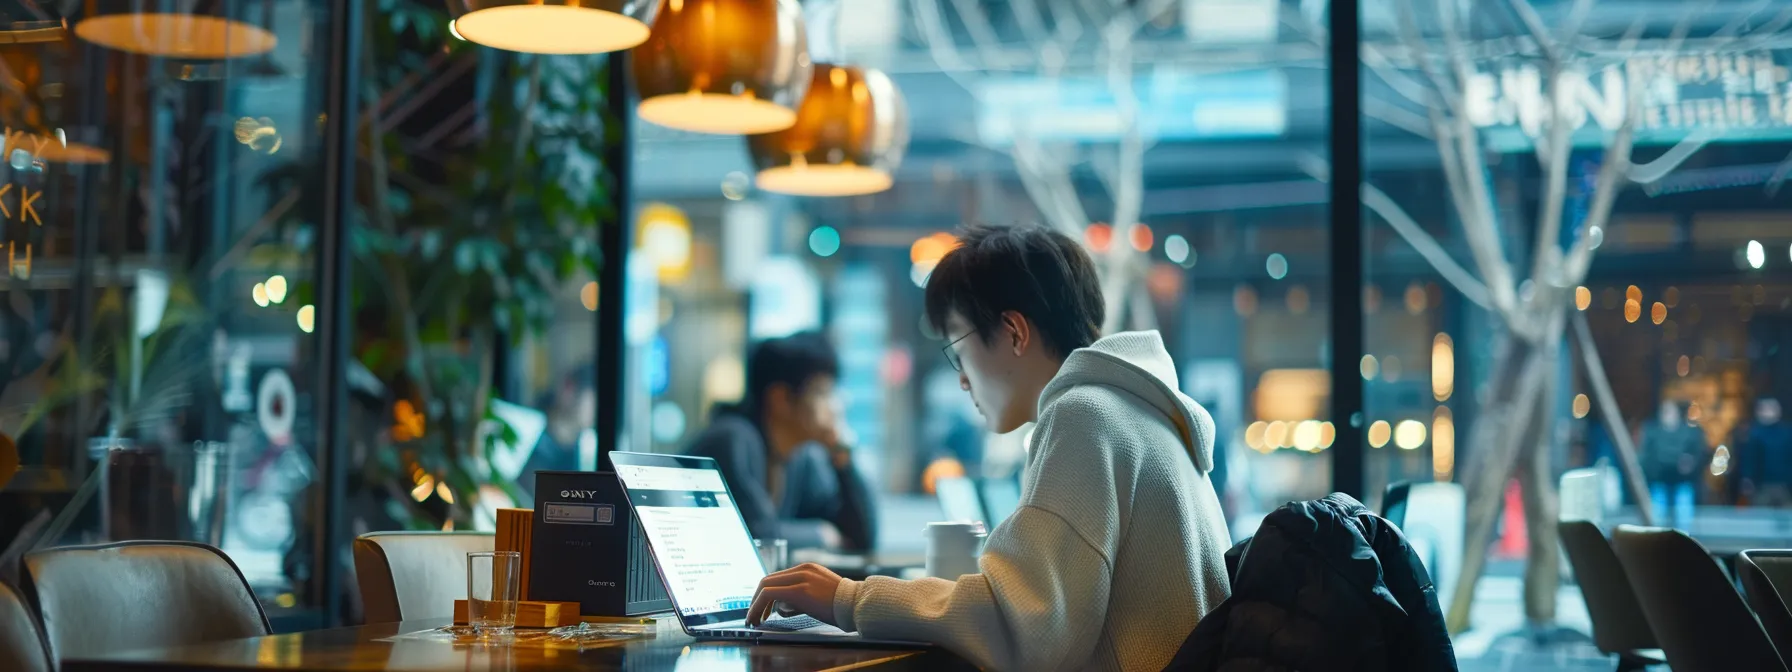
952 355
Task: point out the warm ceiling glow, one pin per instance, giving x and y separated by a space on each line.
588 295
1378 433
1658 313
1277 434
932 248
189 36
1583 297
1306 436
663 235
260 294
1414 299
1443 444
276 287
1409 434
1327 434
307 318
1253 436
718 113
1632 311
824 180
1633 293
551 29
1443 367
1582 405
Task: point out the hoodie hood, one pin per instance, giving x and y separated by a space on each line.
1137 363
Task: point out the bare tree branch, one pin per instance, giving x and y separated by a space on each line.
1614 419
1381 204
1653 171
1397 116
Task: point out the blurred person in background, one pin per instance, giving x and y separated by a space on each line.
782 452
571 410
1767 449
1673 451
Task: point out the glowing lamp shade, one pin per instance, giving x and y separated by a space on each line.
185 29
848 140
724 66
553 26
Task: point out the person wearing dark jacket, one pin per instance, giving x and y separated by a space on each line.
781 451
1323 585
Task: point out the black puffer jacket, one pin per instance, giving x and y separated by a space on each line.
1324 585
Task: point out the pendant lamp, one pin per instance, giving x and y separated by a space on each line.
188 29
848 139
553 26
724 66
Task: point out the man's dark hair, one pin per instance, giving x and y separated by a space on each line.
792 361
1037 272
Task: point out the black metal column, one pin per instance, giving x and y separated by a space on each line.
332 306
1347 249
612 281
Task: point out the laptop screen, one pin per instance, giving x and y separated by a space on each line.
696 533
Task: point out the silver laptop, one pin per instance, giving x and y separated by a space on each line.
701 546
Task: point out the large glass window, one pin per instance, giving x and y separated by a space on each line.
1570 300
1192 132
158 336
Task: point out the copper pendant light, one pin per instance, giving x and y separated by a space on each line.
724 66
189 29
553 26
848 139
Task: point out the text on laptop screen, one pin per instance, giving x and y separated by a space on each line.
704 552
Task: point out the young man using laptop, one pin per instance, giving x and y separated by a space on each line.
1116 550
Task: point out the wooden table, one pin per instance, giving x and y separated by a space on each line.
356 649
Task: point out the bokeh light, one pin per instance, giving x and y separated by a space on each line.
824 241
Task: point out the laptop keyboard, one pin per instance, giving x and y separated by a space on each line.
791 624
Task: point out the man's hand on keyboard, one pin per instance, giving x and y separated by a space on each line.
807 588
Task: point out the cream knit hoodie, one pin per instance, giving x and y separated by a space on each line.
1116 550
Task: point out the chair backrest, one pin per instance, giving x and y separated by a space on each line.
139 595
1435 516
1393 503
1766 581
1618 622
21 644
412 575
1698 617
1582 495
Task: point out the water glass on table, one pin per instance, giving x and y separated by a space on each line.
773 553
493 590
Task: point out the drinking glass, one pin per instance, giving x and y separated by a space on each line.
492 590
773 553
